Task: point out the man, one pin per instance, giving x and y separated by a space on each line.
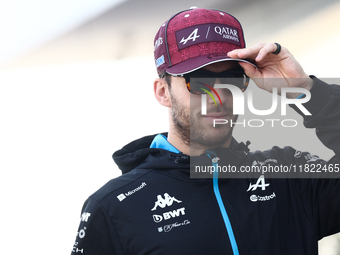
156 208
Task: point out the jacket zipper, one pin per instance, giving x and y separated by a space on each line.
222 208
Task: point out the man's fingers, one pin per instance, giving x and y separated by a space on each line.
249 53
256 52
250 70
234 53
264 51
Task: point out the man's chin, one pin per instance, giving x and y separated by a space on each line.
211 138
220 128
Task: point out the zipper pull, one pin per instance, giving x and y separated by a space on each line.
215 160
215 165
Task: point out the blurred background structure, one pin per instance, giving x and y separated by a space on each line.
76 83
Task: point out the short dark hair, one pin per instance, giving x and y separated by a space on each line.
167 78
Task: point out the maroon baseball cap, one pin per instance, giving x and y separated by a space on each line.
195 38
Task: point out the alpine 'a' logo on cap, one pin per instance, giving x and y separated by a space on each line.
193 36
207 33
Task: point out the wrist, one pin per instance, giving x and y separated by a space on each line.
306 83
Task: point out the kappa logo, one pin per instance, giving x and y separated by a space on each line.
193 36
166 201
260 183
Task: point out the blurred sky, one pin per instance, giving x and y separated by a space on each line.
28 23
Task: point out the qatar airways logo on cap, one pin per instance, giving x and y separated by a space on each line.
205 33
227 32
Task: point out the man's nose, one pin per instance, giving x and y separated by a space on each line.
223 94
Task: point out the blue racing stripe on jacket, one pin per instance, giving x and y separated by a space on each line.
222 209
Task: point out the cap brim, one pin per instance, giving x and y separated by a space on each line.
193 64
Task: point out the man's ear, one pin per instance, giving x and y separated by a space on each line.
161 91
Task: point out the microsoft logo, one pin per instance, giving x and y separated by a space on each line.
121 197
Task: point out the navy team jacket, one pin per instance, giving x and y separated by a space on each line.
154 207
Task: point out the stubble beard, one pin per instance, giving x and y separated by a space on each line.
192 133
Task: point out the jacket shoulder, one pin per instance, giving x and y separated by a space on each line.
113 187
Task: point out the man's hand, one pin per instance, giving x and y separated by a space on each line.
282 65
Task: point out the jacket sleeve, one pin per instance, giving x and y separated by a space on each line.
96 233
321 197
324 106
